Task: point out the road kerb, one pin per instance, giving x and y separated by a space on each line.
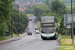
9 40
12 39
59 41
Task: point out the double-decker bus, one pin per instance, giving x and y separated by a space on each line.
48 27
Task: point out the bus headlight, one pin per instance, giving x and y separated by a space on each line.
53 32
43 34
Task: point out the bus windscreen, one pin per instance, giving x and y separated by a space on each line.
47 29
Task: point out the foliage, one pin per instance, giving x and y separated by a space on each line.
73 10
21 18
66 43
39 26
38 10
2 29
44 1
16 5
28 10
47 2
28 15
62 28
58 7
3 38
5 12
5 9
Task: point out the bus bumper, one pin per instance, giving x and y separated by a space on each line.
51 37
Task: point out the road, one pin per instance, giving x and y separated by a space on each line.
31 42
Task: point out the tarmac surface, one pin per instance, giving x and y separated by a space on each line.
30 42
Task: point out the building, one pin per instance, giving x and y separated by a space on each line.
21 8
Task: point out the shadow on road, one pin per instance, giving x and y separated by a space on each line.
50 39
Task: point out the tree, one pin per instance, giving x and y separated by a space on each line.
73 10
58 7
47 2
5 12
38 10
28 10
16 5
23 21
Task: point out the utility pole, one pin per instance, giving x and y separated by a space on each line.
18 20
72 24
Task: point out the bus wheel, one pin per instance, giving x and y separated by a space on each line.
43 38
56 38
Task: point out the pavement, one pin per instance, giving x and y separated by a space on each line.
13 39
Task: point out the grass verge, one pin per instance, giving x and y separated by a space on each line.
29 15
38 23
17 34
3 38
66 43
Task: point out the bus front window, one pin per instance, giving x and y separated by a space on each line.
48 29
